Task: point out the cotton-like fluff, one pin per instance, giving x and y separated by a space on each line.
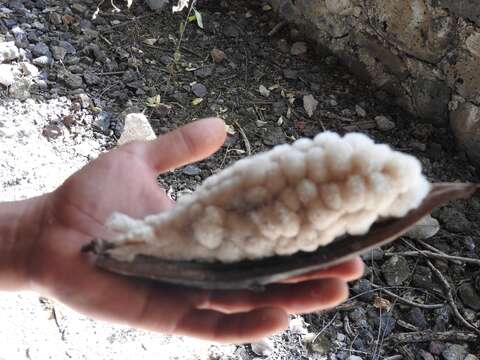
293 198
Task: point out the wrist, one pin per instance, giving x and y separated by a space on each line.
21 225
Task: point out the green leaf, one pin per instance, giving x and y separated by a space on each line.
153 101
196 101
199 18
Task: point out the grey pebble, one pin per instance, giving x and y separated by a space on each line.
199 90
191 170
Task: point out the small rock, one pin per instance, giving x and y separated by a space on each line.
263 348
102 122
424 355
436 347
21 39
320 344
91 79
8 51
454 220
79 8
231 31
309 104
417 145
442 318
290 74
282 45
469 296
357 314
424 229
384 123
454 352
191 170
29 69
165 59
360 111
298 48
422 277
51 131
6 75
83 100
136 127
217 55
73 81
263 91
199 90
274 136
55 18
279 108
395 270
416 317
41 60
58 52
156 4
384 323
41 49
20 89
471 357
374 254
363 288
297 326
68 120
354 357
204 72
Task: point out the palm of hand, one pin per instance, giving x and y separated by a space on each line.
124 180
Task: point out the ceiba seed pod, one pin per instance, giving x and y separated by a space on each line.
292 198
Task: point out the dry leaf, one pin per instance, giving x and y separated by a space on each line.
150 41
196 101
309 104
381 303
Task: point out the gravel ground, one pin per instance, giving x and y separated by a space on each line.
66 83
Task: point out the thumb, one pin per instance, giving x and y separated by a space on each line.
190 143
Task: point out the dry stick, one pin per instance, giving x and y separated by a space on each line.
436 256
248 148
435 250
325 328
406 301
451 301
429 335
277 28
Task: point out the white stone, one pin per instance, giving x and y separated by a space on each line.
263 348
6 75
465 123
8 51
137 128
424 229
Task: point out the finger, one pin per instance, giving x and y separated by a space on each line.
294 299
236 328
348 271
182 146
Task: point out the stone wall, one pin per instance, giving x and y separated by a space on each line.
425 52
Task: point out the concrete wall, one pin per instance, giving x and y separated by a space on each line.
425 52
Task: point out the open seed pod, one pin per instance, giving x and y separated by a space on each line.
283 213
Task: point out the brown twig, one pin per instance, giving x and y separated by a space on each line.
429 335
277 28
432 254
435 250
248 148
450 298
406 301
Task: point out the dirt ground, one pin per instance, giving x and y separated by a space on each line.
139 64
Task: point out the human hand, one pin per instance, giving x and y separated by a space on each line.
124 180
